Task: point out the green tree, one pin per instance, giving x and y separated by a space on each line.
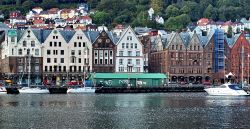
101 18
28 4
208 11
172 11
157 5
47 4
177 23
185 9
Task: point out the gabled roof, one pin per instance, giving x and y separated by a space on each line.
92 35
209 36
20 34
67 35
41 34
203 39
114 38
185 36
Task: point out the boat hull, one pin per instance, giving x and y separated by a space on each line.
225 92
81 90
58 90
12 90
34 91
3 90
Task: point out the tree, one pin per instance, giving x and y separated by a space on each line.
47 4
177 23
172 11
157 5
208 11
101 17
28 4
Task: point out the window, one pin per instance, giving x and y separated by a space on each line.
180 47
120 61
28 51
100 61
48 60
129 61
176 47
12 39
55 44
79 52
59 68
79 68
96 61
48 52
111 53
62 60
137 53
136 45
37 61
55 60
137 61
95 53
32 43
172 47
50 44
62 52
131 45
36 52
106 54
106 61
20 68
83 44
129 38
129 53
72 52
120 53
20 52
75 44
37 68
50 68
110 61
55 52
59 44
127 45
20 60
24 44
72 60
64 68
123 45
46 68
79 44
79 60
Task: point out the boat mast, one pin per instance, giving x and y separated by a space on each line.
242 67
29 71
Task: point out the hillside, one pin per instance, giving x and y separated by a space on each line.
176 13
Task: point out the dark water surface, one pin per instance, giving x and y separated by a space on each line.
124 111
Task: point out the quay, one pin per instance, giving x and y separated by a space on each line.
149 89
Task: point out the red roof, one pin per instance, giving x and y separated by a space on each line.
86 18
203 22
119 26
38 21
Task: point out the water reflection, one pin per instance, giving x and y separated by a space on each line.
124 111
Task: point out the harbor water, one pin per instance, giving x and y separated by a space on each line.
124 111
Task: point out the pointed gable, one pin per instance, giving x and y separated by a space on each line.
195 43
175 41
128 32
67 35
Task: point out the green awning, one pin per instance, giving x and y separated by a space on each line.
128 75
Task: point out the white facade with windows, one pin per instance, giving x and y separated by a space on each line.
80 53
55 53
129 56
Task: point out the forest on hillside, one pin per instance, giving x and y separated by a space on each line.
176 13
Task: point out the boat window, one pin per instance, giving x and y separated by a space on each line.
234 87
222 86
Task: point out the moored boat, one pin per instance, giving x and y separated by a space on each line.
3 90
81 90
226 89
35 90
